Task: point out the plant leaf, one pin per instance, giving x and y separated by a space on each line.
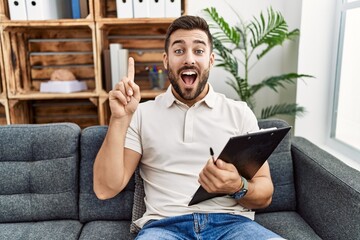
271 32
225 31
277 81
291 109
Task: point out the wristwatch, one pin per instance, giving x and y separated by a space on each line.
242 192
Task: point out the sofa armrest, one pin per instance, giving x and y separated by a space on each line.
327 191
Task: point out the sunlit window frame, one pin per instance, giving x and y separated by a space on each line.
346 149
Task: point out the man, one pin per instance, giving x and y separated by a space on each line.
171 136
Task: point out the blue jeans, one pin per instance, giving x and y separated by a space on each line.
205 227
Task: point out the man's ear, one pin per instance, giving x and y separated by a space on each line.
165 60
212 59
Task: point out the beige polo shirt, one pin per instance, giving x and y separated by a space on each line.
174 141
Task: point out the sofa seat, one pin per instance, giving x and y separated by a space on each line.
43 230
288 224
97 230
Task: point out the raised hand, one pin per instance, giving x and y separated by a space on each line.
125 96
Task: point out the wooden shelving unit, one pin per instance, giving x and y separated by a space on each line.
4 105
32 50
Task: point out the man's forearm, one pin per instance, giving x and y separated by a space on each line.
259 195
109 162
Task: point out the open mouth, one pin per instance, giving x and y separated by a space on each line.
189 77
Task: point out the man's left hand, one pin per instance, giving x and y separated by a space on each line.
220 177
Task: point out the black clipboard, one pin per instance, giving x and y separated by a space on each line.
248 153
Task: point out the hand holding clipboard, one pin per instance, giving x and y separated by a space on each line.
247 153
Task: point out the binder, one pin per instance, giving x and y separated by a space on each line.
124 8
123 56
157 8
17 10
248 153
172 8
48 9
75 9
141 8
107 70
114 60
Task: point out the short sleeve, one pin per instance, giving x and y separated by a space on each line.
133 139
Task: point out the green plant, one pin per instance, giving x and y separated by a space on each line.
246 44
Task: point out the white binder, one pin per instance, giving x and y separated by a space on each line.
114 62
123 56
172 8
124 8
48 9
141 8
157 8
17 10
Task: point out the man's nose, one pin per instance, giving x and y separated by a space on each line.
189 59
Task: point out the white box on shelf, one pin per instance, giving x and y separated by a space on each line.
141 8
124 8
17 10
157 8
172 8
48 9
63 86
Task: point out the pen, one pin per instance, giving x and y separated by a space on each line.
212 154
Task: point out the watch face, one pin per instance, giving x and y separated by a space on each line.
239 194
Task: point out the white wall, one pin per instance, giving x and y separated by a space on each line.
279 60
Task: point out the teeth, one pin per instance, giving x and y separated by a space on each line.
189 73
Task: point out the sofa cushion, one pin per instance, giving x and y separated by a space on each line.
90 207
107 230
287 224
282 172
54 230
39 172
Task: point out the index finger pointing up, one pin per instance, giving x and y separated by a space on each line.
131 69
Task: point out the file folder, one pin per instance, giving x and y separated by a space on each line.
172 8
124 8
17 10
48 9
157 8
141 8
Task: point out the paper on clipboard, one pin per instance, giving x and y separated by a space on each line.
248 153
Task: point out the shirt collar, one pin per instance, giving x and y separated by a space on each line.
209 99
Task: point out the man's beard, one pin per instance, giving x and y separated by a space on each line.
188 94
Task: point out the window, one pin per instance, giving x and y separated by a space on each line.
346 114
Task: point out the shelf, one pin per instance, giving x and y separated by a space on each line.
48 23
32 54
83 112
150 94
4 112
30 51
35 95
2 76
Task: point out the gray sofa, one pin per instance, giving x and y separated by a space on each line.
46 188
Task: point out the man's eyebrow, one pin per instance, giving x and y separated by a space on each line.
182 42
177 41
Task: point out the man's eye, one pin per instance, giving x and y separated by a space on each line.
179 51
200 51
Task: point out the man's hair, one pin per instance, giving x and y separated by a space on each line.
188 22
